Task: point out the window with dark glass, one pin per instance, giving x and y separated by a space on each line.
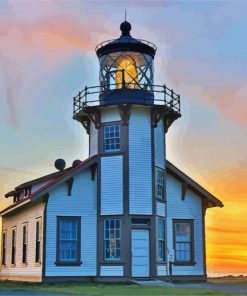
112 239
24 243
160 184
161 240
13 247
4 248
38 241
183 240
68 240
112 138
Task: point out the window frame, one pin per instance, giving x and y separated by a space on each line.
112 260
192 243
157 171
60 262
38 239
13 246
4 248
109 125
159 259
24 243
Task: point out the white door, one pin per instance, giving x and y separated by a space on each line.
140 253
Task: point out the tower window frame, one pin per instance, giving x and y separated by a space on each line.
112 239
111 137
160 184
161 238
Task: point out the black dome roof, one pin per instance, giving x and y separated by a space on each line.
125 43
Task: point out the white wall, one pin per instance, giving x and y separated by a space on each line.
190 208
140 169
32 271
159 145
112 185
93 138
82 203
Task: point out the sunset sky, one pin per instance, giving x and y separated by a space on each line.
47 55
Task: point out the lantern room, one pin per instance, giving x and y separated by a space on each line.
126 77
126 62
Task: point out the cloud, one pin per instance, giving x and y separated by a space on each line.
30 50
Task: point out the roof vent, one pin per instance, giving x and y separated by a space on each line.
60 164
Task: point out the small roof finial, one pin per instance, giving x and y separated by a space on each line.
125 27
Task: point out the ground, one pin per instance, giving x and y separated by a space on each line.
224 286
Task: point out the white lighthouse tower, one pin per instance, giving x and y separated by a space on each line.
127 117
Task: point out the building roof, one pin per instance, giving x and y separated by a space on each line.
53 179
210 198
60 177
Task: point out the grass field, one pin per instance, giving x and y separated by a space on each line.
94 289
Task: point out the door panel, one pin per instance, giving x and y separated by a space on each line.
140 253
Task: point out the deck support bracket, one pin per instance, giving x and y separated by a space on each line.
124 111
69 183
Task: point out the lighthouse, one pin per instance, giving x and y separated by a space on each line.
127 117
124 213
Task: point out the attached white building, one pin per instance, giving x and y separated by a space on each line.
125 212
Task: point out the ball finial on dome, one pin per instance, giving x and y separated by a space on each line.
125 27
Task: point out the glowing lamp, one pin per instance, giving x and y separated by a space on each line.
126 74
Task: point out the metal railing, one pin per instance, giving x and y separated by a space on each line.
92 96
129 41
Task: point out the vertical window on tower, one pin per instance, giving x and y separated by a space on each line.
24 243
161 240
160 188
38 241
68 240
13 246
183 240
112 239
4 243
112 138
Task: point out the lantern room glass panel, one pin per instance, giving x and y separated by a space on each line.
126 69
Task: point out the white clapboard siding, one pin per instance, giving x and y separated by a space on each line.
161 270
110 114
112 185
161 209
93 138
140 172
111 270
190 208
82 202
159 145
31 271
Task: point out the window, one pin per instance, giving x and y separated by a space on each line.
4 239
38 241
183 240
112 138
68 240
24 243
140 221
161 240
112 237
160 184
13 246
